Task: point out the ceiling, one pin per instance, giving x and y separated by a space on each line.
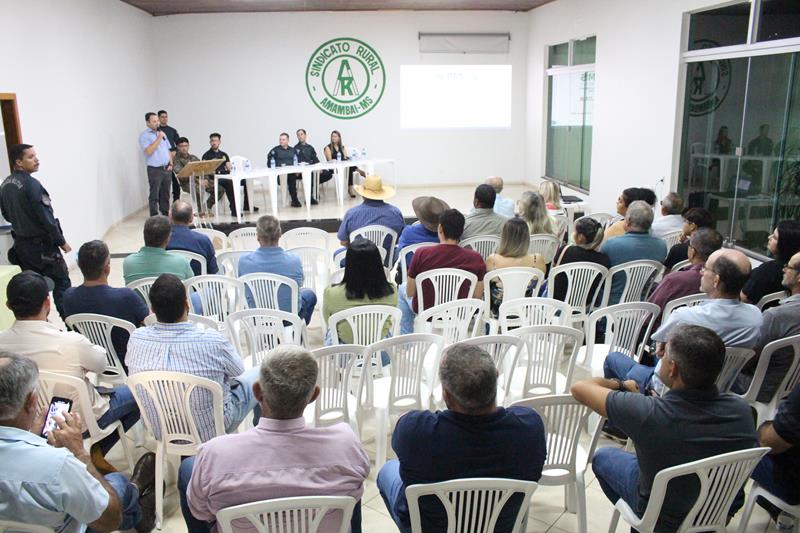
177 7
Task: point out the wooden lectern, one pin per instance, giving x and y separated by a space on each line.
195 171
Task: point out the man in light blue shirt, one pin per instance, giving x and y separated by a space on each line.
273 259
53 482
158 158
502 206
182 237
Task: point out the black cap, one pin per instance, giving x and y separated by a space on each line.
28 289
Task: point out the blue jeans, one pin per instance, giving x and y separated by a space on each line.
308 300
621 366
128 496
242 399
617 472
764 475
394 494
122 407
404 303
194 525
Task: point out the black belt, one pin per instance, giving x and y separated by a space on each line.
162 167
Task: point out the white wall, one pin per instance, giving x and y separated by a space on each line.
83 72
257 87
636 88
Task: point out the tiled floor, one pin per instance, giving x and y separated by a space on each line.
547 511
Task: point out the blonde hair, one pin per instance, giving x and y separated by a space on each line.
515 240
551 192
534 211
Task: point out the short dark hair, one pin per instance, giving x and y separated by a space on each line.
215 134
17 152
730 275
162 112
363 272
148 115
698 216
181 212
156 231
788 239
182 140
699 353
284 134
452 223
631 194
92 257
705 241
168 298
301 129
486 195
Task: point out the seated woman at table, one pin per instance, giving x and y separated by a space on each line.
337 151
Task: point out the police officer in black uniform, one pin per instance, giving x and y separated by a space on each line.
306 154
37 233
172 136
283 156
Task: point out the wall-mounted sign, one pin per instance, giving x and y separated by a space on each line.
709 82
345 78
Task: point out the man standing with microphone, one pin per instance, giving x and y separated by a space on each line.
158 157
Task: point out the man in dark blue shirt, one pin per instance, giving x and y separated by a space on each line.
183 238
472 438
95 295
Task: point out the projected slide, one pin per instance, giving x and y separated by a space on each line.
455 96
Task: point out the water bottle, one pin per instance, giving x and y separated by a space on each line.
338 156
364 153
294 159
234 168
247 166
354 154
271 162
784 522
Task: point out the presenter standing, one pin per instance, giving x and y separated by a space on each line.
172 137
158 158
37 233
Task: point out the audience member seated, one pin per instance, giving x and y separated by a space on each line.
551 192
502 206
702 244
588 236
53 482
780 322
446 254
280 457
472 438
427 210
273 259
152 259
175 345
738 324
692 421
694 218
532 209
183 238
513 251
671 219
783 243
617 226
96 296
636 244
64 352
482 220
364 283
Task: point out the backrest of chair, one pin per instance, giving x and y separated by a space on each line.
545 347
581 277
257 331
218 238
192 256
672 238
97 328
790 379
602 218
142 288
229 261
244 239
483 244
638 277
504 351
405 261
627 328
288 515
446 283
18 527
735 359
305 236
264 288
561 225
452 320
336 365
680 265
367 322
515 282
171 402
770 300
684 301
379 235
219 295
316 266
472 505
545 245
52 384
407 354
521 312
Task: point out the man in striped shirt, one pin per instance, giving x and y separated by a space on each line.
175 345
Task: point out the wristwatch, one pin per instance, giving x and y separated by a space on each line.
620 384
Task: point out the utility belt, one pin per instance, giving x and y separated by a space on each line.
41 240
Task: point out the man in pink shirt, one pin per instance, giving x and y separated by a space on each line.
280 457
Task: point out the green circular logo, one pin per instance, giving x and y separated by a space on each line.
345 78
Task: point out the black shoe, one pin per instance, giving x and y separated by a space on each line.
144 472
255 209
614 433
147 503
296 203
314 201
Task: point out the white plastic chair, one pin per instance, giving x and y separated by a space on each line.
472 505
18 527
515 282
255 332
52 384
229 262
219 295
316 271
735 359
288 515
335 403
564 419
97 328
483 244
192 256
680 265
766 411
627 329
521 312
720 476
545 347
770 298
305 236
216 237
602 218
447 283
169 403
639 275
142 287
244 239
378 234
684 301
403 259
581 276
264 288
757 491
199 321
340 256
561 225
672 238
367 323
456 320
545 245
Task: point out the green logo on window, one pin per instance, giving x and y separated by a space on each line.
709 82
345 78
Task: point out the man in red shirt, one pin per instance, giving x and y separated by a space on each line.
447 254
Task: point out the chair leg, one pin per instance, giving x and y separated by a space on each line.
748 508
159 486
580 490
216 200
381 439
123 440
569 497
612 527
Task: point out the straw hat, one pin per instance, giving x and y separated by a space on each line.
428 209
374 189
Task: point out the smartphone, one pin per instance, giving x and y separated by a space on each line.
58 406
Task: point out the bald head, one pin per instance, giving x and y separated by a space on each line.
725 274
181 213
496 183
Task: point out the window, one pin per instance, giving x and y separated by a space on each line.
570 81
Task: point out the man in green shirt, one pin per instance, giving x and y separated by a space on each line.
152 259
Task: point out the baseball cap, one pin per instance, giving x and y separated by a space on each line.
28 289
